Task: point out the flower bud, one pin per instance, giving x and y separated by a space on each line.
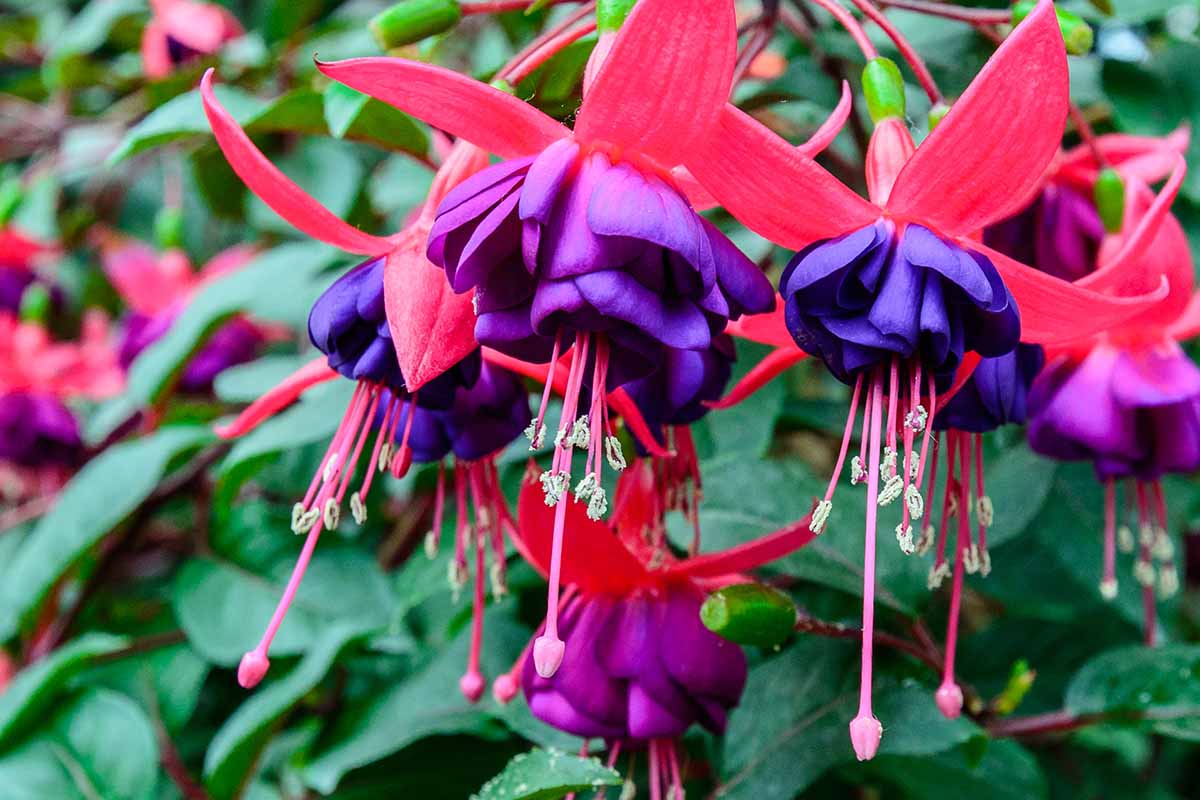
1109 196
1076 33
611 14
937 114
413 20
168 227
35 304
883 87
749 613
1020 681
10 198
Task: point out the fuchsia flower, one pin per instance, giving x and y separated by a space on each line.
40 441
19 256
1060 231
640 667
182 30
1128 399
895 295
158 286
584 238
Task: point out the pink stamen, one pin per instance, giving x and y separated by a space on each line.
541 416
359 443
472 682
951 487
979 493
676 778
330 451
655 776
392 408
439 510
949 695
929 432
865 729
402 458
893 402
462 529
548 648
1108 584
841 459
1149 609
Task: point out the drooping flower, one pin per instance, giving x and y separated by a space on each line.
640 668
995 395
583 239
1128 399
40 441
19 255
1060 231
180 31
157 287
896 295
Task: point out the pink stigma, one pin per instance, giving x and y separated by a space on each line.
504 689
252 669
471 686
949 700
548 655
865 733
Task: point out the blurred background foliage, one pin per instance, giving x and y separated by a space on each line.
127 606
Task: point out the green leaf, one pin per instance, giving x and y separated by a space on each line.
292 270
244 383
183 118
99 746
33 691
96 500
1006 771
89 29
353 115
236 746
428 703
1019 483
342 585
546 775
328 169
1160 685
792 724
167 680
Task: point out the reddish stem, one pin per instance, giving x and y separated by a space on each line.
501 6
546 37
983 16
1088 135
547 51
907 51
852 26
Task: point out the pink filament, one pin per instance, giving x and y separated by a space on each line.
841 460
1149 610
959 559
875 407
1110 532
979 494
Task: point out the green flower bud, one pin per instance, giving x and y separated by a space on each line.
1020 681
937 114
1077 34
10 198
749 613
1109 196
883 87
168 227
413 20
611 14
35 304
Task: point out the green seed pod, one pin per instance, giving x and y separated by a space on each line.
883 87
1109 196
1077 34
35 304
413 20
749 613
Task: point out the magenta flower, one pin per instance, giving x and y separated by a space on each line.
585 239
896 295
180 31
19 256
157 287
640 667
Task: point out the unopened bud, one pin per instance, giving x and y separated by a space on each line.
413 20
1077 34
883 87
611 14
35 304
937 114
168 227
1109 196
10 198
1020 681
749 613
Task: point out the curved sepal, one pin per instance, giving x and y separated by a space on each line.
276 399
459 105
772 366
748 555
1054 311
665 80
773 188
593 558
985 158
276 189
